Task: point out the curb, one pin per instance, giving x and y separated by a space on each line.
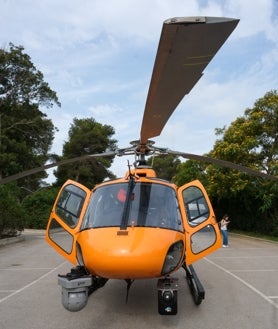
4 242
253 237
21 237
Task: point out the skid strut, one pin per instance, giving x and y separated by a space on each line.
196 288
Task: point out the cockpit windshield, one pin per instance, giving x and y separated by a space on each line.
150 205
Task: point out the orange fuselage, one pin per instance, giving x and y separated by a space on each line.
137 229
137 252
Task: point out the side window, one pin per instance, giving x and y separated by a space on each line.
60 236
69 205
197 209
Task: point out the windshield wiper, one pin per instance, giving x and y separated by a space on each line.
127 204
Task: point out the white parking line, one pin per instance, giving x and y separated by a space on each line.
266 270
26 269
246 257
268 299
32 283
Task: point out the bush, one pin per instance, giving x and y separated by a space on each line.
38 207
12 215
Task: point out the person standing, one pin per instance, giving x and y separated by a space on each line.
224 230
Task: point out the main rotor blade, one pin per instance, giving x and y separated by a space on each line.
54 164
186 46
223 163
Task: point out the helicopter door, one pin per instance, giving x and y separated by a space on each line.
202 232
65 218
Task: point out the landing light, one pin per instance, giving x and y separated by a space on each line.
173 257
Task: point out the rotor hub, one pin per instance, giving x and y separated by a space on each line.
142 148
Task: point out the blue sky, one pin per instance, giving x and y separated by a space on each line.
98 56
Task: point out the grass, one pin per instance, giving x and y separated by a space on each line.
256 235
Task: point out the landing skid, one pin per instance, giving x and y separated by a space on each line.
196 288
168 290
77 285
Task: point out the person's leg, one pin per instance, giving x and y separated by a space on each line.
225 237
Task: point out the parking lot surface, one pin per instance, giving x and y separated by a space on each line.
241 284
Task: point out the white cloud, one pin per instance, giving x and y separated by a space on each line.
98 56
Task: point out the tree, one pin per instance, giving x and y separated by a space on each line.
38 205
189 171
12 216
250 140
86 136
165 166
26 134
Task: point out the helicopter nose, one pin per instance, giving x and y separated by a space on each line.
140 253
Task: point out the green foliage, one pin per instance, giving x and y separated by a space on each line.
165 166
86 136
250 140
189 171
25 133
12 215
26 136
38 206
20 82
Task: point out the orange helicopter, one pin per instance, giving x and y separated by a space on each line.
140 226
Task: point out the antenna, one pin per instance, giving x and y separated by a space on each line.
129 165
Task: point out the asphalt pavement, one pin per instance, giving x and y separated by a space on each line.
241 284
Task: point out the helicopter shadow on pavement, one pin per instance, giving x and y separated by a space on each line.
110 307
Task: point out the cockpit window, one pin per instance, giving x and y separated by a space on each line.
70 204
151 204
196 206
